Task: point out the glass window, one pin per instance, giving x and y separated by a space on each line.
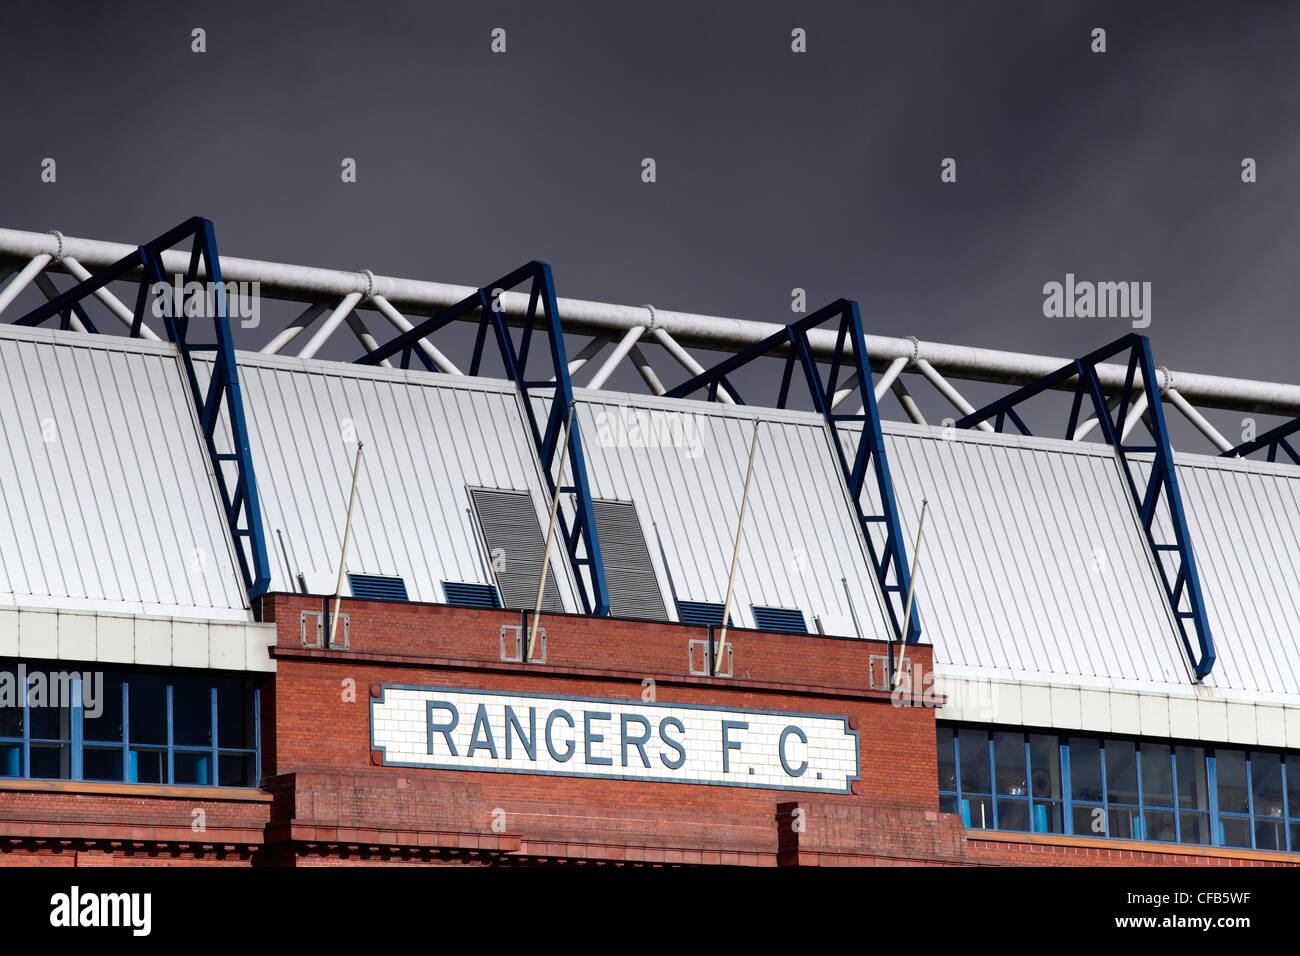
1230 769
1159 825
1266 784
1085 770
237 714
191 712
973 752
148 709
137 727
947 763
11 705
1045 767
1293 790
1193 788
1009 755
1158 777
1194 828
102 715
1121 772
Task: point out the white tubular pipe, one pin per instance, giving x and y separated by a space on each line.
620 352
307 284
332 322
907 401
294 329
25 277
364 337
647 371
589 352
886 381
687 362
844 391
403 324
948 392
1196 418
1134 416
51 292
115 305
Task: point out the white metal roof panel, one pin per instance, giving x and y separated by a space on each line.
1244 521
428 439
682 463
1033 565
106 489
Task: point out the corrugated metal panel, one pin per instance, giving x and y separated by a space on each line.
428 440
1033 562
683 464
1244 520
629 572
108 500
516 542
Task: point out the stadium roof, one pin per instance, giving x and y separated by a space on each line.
1037 561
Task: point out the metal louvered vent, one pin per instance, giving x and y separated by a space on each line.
701 614
779 619
470 595
515 541
377 587
629 575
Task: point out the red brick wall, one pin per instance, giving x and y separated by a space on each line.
322 739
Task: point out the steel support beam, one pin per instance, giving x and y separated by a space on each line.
580 538
1181 583
222 392
889 561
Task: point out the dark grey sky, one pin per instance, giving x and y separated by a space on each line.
775 169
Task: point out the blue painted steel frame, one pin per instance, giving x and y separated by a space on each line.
1186 583
580 536
1274 440
223 387
891 558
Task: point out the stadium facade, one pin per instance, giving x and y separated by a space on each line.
1100 663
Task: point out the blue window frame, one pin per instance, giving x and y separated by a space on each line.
142 727
1121 788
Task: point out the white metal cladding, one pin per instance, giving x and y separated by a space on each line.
1033 564
1244 521
107 493
428 439
682 463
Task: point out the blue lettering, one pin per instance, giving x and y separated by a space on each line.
530 741
444 729
637 742
481 723
589 738
550 744
785 764
730 745
681 751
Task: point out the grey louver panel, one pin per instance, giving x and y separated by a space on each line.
515 541
633 587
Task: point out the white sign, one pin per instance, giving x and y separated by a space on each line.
456 729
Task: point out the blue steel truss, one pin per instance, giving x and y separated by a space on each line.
1184 590
1273 441
240 501
889 562
580 539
